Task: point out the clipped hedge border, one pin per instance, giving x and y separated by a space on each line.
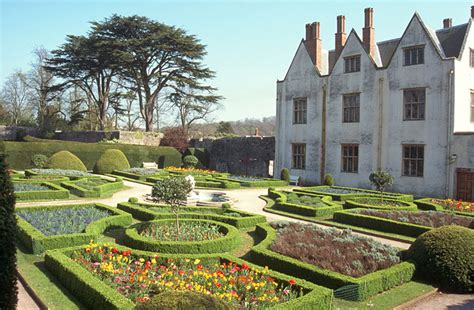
55 192
408 206
281 204
265 182
98 295
366 286
360 193
37 242
380 224
220 245
38 180
427 205
97 191
142 213
139 177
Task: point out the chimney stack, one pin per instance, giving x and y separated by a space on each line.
368 32
313 43
340 34
447 23
472 11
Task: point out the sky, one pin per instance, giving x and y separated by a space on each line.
250 44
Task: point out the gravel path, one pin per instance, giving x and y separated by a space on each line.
25 302
441 301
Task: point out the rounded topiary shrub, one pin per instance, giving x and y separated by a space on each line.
190 161
111 160
39 160
445 256
65 160
285 175
328 180
183 300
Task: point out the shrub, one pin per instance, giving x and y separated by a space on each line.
133 199
39 160
65 160
202 155
175 137
445 256
111 160
328 180
226 206
381 179
190 161
285 175
179 300
8 227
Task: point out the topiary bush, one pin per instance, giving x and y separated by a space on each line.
190 161
39 160
183 300
111 160
328 180
8 229
445 256
285 175
65 160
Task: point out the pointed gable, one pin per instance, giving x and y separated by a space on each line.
301 65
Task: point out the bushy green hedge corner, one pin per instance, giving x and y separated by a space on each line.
445 255
99 191
426 204
53 192
111 160
65 160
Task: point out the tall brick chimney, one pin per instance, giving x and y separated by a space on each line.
472 11
313 43
447 23
368 32
340 34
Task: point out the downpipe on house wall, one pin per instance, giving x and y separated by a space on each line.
380 129
322 167
448 133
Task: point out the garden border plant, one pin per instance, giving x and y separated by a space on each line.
427 205
364 287
99 191
141 211
262 182
37 242
360 193
353 203
95 293
220 245
54 192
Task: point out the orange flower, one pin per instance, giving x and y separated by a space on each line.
292 282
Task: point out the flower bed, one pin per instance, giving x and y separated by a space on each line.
445 205
361 287
148 211
188 231
51 227
39 191
340 193
140 173
114 277
135 238
58 172
378 203
97 187
375 220
311 205
34 179
246 181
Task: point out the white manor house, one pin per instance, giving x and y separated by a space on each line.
404 105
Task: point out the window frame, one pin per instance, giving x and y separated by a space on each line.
412 48
471 110
298 164
357 64
299 112
350 108
413 104
415 160
352 164
471 57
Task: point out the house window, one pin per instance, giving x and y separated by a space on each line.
298 153
472 58
350 158
413 158
350 108
414 104
299 111
472 107
414 55
352 64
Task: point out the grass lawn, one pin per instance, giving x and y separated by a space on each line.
388 300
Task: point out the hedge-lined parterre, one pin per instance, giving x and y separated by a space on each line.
94 187
340 193
379 204
39 191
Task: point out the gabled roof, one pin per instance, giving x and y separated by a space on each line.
386 50
451 39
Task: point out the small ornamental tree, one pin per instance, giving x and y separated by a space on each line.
8 278
285 175
175 137
174 192
39 160
190 161
381 180
328 180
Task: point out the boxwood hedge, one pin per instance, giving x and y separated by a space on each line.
406 206
37 242
363 287
98 295
99 191
220 245
20 153
54 192
426 204
357 192
142 211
